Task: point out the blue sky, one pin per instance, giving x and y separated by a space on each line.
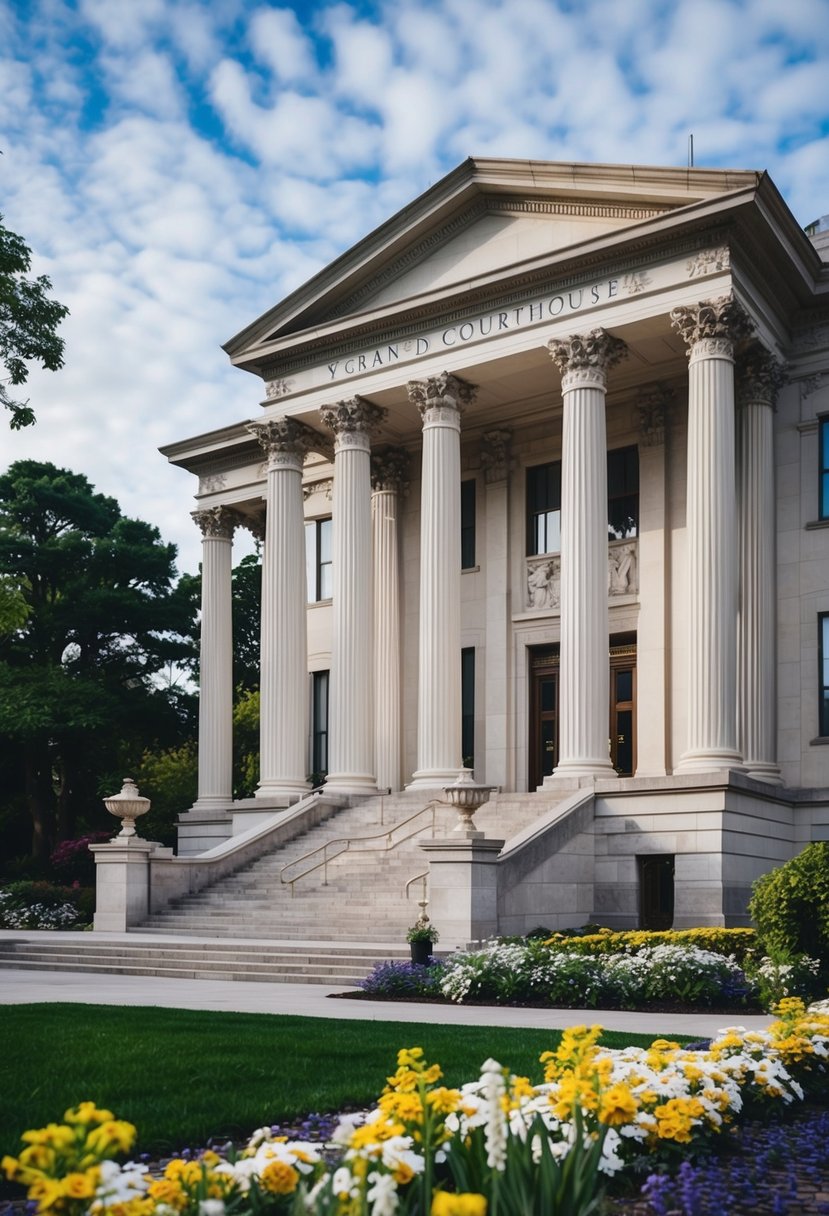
179 165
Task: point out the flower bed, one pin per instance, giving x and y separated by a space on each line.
498 1144
43 905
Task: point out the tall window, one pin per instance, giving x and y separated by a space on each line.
319 727
318 559
544 501
467 524
468 706
622 493
823 487
544 508
823 671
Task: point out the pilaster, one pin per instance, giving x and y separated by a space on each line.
440 401
389 480
711 331
215 787
351 720
283 724
759 379
584 360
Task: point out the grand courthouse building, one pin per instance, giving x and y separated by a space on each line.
540 469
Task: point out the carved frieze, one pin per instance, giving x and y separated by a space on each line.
544 576
212 482
810 384
274 389
325 486
217 523
390 469
496 455
759 375
635 282
713 327
709 261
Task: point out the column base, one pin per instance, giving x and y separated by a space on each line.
434 778
213 802
351 783
283 789
568 769
707 761
761 770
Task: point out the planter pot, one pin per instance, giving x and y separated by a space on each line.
421 952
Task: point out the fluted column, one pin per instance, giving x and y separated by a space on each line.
759 378
711 329
283 723
440 401
584 360
215 786
389 469
351 717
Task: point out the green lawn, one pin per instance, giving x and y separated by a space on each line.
184 1075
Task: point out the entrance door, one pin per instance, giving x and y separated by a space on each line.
543 716
656 891
544 683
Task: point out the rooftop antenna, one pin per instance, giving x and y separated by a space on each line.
691 151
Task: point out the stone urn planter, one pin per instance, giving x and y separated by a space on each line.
127 805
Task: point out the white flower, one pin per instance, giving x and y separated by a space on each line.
493 1088
212 1207
382 1194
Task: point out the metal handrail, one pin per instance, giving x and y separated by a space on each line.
353 845
417 878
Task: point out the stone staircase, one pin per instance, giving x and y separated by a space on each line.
332 928
342 964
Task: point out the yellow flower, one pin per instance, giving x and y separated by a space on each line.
465 1203
169 1191
81 1186
88 1112
279 1178
403 1173
54 1135
112 1136
617 1106
47 1191
444 1100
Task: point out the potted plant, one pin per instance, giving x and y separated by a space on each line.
421 937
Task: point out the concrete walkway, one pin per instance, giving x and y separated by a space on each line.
19 987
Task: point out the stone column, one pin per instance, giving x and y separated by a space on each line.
351 721
711 330
389 469
652 699
584 360
216 658
440 401
496 460
283 725
759 378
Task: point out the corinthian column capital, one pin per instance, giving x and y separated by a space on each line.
712 327
217 523
285 441
353 421
586 358
759 376
390 469
439 396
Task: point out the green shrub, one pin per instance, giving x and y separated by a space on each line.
790 906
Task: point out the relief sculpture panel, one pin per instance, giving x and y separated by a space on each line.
544 576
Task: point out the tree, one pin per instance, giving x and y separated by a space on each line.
28 323
81 692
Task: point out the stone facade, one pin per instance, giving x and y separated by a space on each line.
567 421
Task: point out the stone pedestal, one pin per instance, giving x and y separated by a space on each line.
583 701
439 759
283 726
463 889
711 330
351 722
122 883
389 469
215 788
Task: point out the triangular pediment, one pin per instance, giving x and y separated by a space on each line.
486 218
